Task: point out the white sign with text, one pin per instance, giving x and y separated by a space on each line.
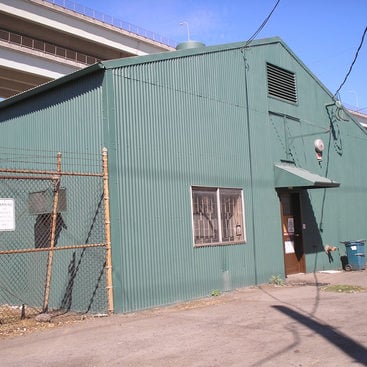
7 215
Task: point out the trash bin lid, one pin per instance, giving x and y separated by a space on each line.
356 241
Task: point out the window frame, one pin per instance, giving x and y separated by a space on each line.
218 203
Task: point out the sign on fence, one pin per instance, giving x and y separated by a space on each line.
7 215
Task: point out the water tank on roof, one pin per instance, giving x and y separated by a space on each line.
189 44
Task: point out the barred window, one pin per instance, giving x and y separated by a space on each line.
217 216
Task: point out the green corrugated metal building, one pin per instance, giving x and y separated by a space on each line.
227 165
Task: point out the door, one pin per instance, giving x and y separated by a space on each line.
294 259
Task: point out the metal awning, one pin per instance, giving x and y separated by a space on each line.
287 175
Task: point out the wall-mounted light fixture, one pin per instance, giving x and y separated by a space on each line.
319 148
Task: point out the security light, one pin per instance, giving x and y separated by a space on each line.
319 145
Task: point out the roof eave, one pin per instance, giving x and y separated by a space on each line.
135 60
51 84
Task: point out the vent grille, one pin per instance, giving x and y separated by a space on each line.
281 83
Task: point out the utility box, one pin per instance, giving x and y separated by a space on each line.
41 202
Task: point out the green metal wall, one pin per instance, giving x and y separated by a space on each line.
329 215
177 122
66 118
206 119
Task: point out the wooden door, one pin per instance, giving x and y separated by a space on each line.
294 259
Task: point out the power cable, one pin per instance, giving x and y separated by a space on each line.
351 66
261 26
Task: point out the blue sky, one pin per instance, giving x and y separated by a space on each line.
324 34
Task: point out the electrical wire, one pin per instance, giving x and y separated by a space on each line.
261 26
354 61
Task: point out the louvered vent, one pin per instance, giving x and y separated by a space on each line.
281 83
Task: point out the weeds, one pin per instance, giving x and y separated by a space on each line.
342 288
276 280
215 293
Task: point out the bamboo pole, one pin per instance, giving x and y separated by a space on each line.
26 177
106 198
46 172
29 250
53 231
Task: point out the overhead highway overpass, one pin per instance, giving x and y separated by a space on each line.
41 40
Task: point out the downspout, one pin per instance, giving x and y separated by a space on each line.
250 165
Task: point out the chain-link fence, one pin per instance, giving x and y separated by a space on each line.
55 253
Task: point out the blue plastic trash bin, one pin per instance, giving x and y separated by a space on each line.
355 255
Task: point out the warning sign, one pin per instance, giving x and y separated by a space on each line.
7 215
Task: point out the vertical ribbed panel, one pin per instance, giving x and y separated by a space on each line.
277 127
65 119
179 122
267 146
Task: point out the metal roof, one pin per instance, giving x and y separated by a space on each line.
360 117
136 60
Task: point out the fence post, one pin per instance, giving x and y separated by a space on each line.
106 198
55 204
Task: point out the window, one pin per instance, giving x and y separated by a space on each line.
217 216
281 83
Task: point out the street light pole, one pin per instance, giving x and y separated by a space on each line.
188 30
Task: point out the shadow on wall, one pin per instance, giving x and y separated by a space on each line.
51 97
77 265
311 237
43 227
313 242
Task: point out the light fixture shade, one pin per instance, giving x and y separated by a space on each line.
319 145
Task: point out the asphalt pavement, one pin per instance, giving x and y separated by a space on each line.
298 324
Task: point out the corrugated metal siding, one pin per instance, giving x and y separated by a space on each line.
179 123
67 119
328 215
263 150
274 123
70 120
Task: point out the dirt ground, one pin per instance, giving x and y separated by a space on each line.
303 323
11 323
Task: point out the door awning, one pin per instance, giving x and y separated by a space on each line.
287 175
